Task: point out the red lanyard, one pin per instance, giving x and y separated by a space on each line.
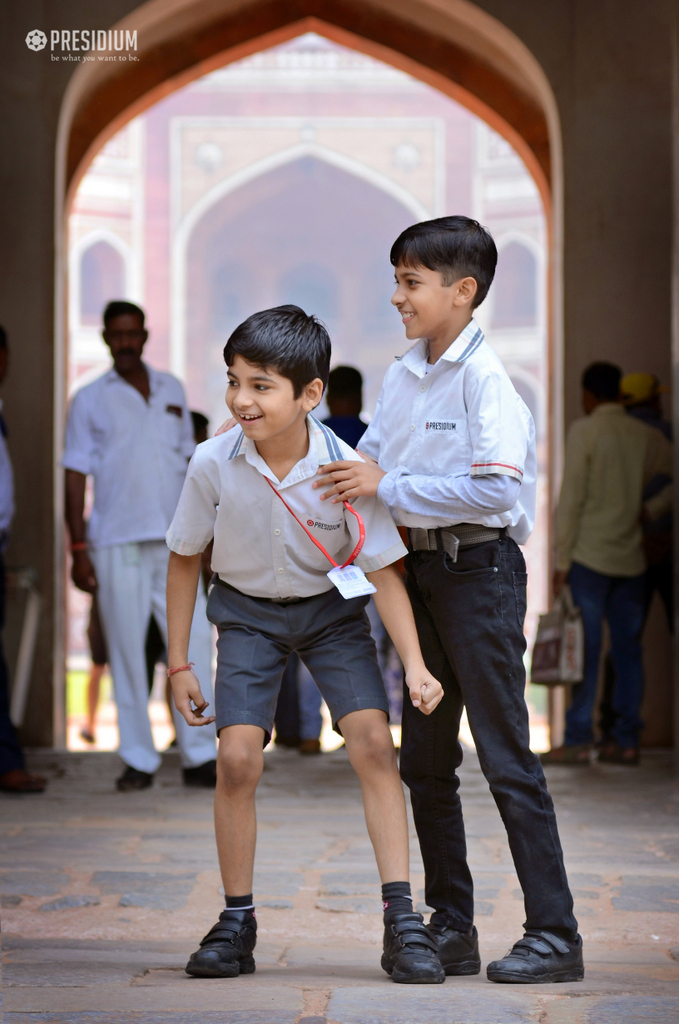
361 530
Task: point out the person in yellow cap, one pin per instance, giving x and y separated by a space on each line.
640 394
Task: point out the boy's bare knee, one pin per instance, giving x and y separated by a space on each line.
373 750
238 766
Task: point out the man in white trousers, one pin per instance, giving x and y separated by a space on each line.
131 431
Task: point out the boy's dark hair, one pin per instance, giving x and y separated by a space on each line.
345 382
456 247
3 338
603 381
120 307
286 339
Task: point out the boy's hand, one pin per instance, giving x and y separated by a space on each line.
186 688
351 479
425 691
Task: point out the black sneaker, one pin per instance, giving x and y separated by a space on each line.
132 779
226 950
410 954
458 951
204 775
538 959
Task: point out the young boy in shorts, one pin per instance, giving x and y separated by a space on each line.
251 489
454 461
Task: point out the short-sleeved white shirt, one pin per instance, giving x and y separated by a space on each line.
136 451
259 548
460 417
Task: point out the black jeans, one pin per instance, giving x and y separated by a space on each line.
11 755
469 616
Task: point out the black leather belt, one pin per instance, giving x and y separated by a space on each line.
452 538
269 600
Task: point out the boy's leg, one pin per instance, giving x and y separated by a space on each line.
226 951
478 605
430 756
240 762
371 752
333 640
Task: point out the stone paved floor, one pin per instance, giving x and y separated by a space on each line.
105 894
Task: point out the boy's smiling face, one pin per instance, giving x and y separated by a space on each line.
427 306
263 401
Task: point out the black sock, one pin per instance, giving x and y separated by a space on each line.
240 902
396 898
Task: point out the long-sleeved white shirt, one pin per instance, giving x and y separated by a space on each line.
457 442
610 457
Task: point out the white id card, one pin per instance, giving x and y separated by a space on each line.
351 581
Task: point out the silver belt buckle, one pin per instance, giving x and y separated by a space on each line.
451 543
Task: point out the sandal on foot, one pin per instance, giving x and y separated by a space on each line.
20 781
410 953
613 753
578 754
226 950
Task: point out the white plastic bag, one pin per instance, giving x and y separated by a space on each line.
559 650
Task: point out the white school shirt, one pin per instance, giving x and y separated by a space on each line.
460 418
136 451
259 548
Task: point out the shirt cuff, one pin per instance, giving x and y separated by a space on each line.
181 546
496 469
385 558
386 489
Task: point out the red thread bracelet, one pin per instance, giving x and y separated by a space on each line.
181 668
79 545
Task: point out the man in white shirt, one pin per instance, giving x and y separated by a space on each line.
610 459
13 775
457 465
131 431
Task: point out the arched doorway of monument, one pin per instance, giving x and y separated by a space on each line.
209 281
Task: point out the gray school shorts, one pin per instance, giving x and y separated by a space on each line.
330 634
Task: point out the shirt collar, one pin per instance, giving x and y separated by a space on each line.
461 349
608 409
323 448
153 375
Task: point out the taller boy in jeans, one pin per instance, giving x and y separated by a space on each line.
454 451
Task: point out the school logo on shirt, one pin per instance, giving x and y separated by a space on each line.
323 526
440 425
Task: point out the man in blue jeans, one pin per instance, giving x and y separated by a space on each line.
610 458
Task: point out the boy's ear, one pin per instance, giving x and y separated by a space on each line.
312 394
465 291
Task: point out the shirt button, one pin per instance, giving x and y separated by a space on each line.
422 387
281 570
412 426
277 532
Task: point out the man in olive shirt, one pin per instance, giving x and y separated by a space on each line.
610 458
